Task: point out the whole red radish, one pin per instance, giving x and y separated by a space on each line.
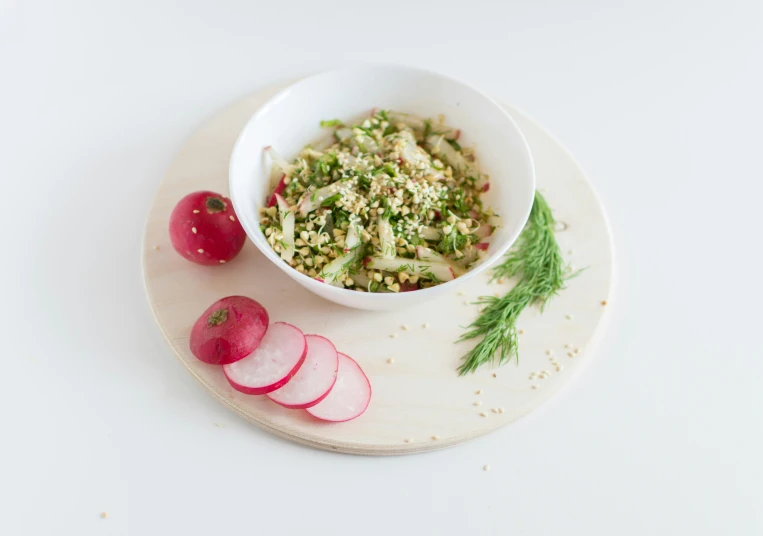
205 230
229 330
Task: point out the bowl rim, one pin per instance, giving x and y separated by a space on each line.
380 298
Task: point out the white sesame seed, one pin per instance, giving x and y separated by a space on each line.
435 437
486 468
483 414
424 326
393 335
500 410
521 332
222 261
494 410
568 345
193 230
549 352
200 250
478 403
156 248
570 354
568 317
232 218
534 386
405 327
391 360
195 211
479 391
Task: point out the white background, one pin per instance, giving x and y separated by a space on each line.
660 101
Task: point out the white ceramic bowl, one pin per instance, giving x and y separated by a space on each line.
291 119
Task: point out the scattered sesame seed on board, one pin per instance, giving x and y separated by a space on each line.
549 352
393 335
495 374
424 325
534 386
104 515
486 468
193 230
500 410
479 391
568 345
603 303
404 327
568 317
570 354
407 440
200 250
478 403
483 414
494 410
435 437
391 360
521 332
156 248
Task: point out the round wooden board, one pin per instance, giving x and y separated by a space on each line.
419 402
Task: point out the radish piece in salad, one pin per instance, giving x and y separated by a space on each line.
312 200
280 187
280 165
272 364
349 397
484 231
428 255
287 224
434 271
439 146
314 379
430 233
387 238
419 125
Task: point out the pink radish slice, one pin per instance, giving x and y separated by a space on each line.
275 361
314 379
350 396
280 187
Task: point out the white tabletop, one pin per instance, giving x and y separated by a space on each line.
661 434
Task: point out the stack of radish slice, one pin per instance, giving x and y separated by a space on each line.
294 370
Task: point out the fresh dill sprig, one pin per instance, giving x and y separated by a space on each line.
536 260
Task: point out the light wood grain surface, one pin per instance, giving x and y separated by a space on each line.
419 402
